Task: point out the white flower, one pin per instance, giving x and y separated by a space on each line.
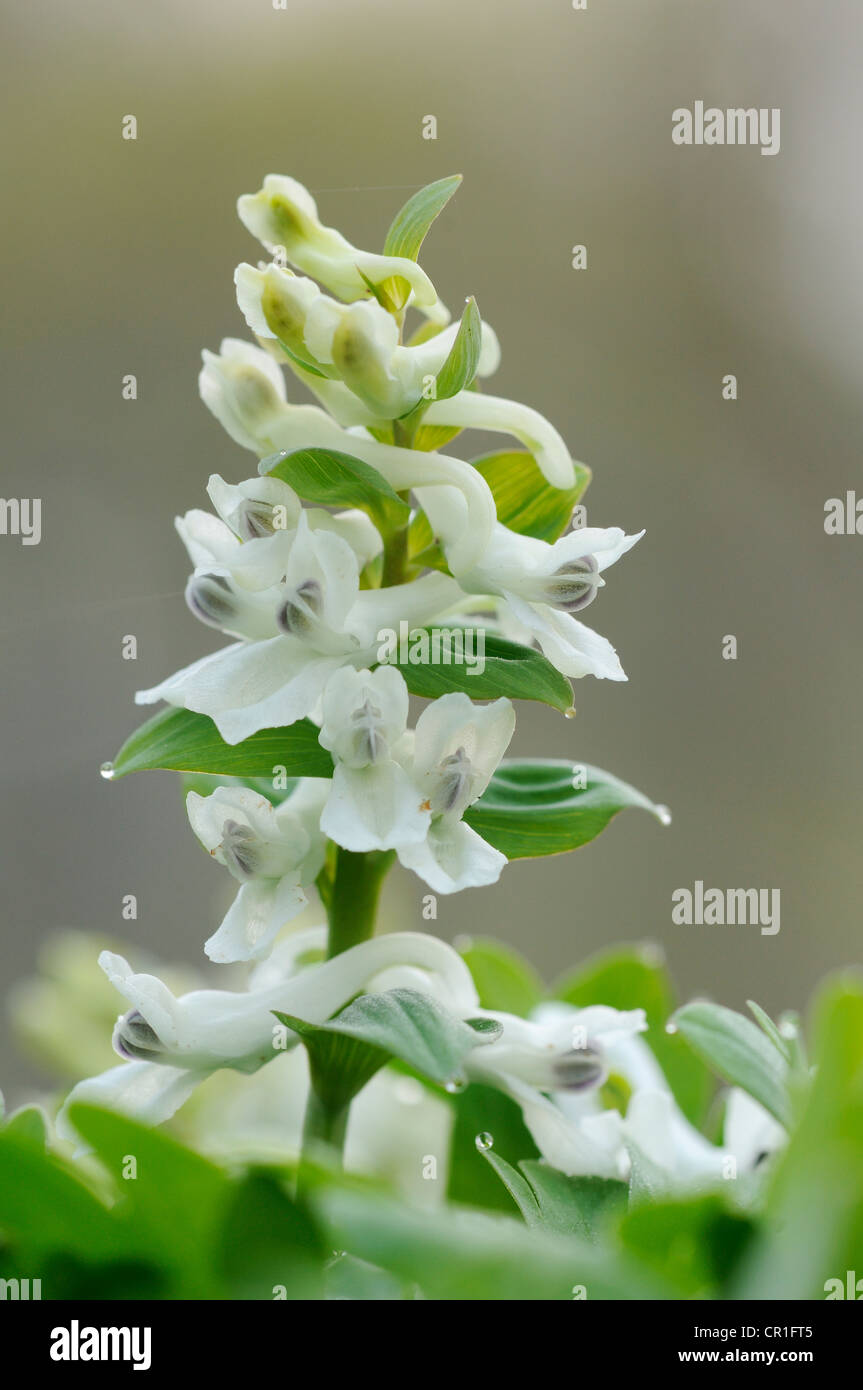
355 344
749 1132
174 1043
284 213
578 1135
457 747
473 410
553 1066
456 498
544 585
244 388
372 802
274 853
320 620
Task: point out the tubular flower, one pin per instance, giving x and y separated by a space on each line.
275 853
284 214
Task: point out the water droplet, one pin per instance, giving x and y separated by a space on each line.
569 713
671 1028
107 771
484 1141
664 815
455 1085
788 1029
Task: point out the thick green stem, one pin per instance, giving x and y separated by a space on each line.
396 552
353 892
354 898
322 1128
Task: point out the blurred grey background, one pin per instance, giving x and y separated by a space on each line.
118 259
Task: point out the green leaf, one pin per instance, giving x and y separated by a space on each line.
409 226
697 1244
398 1023
516 1185
576 1206
459 369
182 741
267 1241
430 438
484 1110
457 1255
813 1232
332 479
531 807
768 1027
525 502
508 668
46 1208
739 1052
635 977
173 1189
505 981
28 1124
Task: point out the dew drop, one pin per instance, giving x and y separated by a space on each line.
664 815
107 771
455 1085
671 1028
569 713
484 1141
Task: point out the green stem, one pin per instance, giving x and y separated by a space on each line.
322 1127
353 891
354 898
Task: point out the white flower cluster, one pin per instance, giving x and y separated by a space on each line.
290 584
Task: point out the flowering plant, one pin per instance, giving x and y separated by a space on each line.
371 1087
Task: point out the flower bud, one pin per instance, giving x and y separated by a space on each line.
284 214
244 389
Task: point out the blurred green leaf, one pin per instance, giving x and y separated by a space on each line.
173 1198
466 1255
697 1245
531 807
813 1222
28 1124
505 981
44 1207
768 1027
739 1052
269 1243
181 741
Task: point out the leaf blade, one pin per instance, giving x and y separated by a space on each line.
179 740
531 808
